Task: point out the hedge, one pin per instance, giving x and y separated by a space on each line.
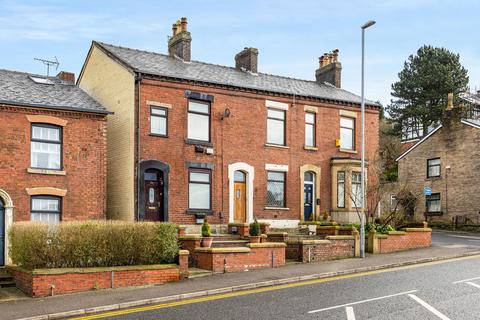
92 244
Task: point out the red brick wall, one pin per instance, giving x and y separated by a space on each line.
44 285
400 242
241 261
84 160
244 137
336 249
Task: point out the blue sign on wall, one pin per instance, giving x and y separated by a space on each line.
427 191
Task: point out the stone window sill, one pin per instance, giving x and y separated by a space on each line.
310 148
276 208
348 151
47 171
198 143
276 146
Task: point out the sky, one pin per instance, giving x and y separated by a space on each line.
290 35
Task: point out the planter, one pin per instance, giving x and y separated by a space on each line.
255 239
207 242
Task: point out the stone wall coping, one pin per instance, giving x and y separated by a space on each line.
346 228
396 232
190 237
181 226
223 250
267 245
328 227
238 224
264 223
57 271
382 236
340 237
280 233
307 242
417 229
183 252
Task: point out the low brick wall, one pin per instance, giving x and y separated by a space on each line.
48 282
277 237
409 238
253 256
332 248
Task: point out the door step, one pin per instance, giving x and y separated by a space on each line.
198 273
6 280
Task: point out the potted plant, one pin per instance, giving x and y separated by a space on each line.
255 232
206 235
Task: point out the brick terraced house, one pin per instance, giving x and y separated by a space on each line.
190 139
446 160
53 152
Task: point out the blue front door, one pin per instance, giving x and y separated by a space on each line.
308 202
2 234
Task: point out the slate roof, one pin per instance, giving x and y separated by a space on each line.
471 97
164 65
17 88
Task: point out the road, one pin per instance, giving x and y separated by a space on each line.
440 290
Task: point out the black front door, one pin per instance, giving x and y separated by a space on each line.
2 234
153 195
308 202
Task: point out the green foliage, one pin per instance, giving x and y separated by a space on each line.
254 229
379 228
423 86
92 244
206 229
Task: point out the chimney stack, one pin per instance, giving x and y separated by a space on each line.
247 60
330 69
66 76
179 43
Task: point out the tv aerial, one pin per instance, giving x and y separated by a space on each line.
49 63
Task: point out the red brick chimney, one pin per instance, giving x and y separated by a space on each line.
66 76
330 69
179 44
247 60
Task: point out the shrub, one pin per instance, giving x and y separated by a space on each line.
206 230
379 228
92 244
254 229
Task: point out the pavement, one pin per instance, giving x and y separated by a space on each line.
445 245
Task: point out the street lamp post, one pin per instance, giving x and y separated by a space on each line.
362 189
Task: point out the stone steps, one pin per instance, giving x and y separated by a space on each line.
198 273
6 280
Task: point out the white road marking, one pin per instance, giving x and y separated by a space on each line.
464 237
429 307
350 313
473 284
465 280
363 301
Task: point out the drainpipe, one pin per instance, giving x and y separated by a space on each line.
138 80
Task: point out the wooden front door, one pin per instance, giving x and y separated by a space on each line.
240 197
153 195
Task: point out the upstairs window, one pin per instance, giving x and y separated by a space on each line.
158 121
433 168
198 121
310 129
276 189
46 147
276 126
46 209
347 133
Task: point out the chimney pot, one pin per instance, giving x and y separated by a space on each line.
247 59
180 43
66 76
330 69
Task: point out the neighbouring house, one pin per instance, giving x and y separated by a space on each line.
190 139
444 161
53 160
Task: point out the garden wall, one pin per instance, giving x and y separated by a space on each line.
409 238
253 256
49 282
332 248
